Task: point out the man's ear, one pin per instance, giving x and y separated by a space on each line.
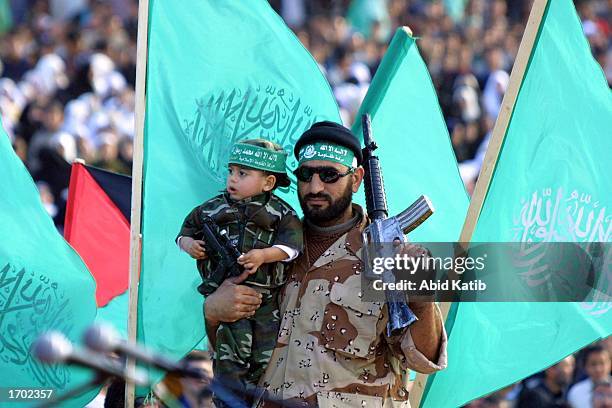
357 178
269 183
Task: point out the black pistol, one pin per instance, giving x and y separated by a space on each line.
219 246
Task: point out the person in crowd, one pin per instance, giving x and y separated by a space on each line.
551 390
333 346
602 394
597 366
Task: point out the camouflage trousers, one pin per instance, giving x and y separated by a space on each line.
243 349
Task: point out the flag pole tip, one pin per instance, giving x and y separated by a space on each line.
408 30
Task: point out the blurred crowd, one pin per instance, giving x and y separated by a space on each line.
469 47
581 380
67 70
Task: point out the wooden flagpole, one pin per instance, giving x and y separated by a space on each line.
137 167
490 161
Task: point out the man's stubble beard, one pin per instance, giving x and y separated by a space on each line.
334 210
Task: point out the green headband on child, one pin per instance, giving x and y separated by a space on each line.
259 158
327 151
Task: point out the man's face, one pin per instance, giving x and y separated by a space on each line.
597 365
561 372
324 202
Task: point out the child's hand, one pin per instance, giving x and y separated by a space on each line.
194 247
252 260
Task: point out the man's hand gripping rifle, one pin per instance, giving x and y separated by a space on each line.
220 246
384 231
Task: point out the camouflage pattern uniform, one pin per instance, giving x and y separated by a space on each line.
332 349
243 348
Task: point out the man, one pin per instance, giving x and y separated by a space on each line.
597 366
602 394
332 348
551 391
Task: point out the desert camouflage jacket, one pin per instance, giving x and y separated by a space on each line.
332 349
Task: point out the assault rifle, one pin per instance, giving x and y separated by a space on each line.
384 231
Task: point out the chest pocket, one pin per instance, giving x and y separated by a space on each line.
351 326
227 216
256 232
266 218
260 231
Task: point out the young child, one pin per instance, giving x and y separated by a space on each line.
267 231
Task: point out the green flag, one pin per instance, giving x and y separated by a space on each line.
455 9
551 183
6 16
363 14
414 146
115 313
218 72
44 285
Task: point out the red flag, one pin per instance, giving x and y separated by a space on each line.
98 228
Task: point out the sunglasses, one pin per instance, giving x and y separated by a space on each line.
326 174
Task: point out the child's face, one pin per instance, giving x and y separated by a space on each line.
597 365
244 182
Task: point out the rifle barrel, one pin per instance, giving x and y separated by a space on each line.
376 199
